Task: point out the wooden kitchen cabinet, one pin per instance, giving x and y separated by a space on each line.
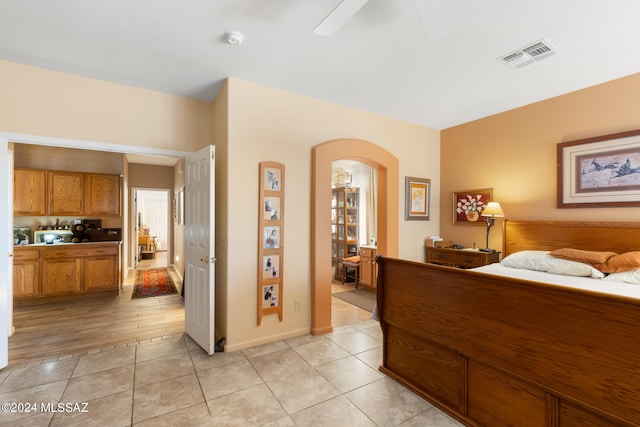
26 272
101 268
50 273
103 194
66 193
368 266
61 276
29 192
39 192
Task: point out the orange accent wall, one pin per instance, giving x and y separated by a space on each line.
514 153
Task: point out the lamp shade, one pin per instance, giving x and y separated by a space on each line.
493 209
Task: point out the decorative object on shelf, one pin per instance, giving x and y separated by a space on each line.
270 249
21 236
468 205
602 171
339 177
416 198
492 211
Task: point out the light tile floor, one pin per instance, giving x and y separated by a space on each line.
328 380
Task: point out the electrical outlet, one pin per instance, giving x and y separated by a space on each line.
297 305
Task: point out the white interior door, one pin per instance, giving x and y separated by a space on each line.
6 256
199 291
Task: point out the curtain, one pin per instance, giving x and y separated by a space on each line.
371 203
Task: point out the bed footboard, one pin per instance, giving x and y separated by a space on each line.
495 351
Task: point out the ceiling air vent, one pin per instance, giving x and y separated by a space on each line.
528 55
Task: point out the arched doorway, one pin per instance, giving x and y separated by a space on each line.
322 157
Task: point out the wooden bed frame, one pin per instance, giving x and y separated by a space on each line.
507 352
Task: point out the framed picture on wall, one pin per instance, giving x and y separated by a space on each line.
602 171
416 198
468 205
271 208
271 267
180 207
272 179
270 296
271 237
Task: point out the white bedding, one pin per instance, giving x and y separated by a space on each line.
588 283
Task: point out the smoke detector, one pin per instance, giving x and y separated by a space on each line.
529 54
234 37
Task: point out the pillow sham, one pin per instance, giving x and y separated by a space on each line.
542 261
593 258
632 277
627 261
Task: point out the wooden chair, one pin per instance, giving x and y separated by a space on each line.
353 263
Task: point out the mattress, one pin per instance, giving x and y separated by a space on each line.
585 283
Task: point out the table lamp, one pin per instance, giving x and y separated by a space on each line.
491 212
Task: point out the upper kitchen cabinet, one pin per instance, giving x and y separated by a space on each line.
103 194
66 193
38 192
29 192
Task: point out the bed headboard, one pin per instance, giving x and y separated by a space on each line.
619 237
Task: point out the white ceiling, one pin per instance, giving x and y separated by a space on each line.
383 60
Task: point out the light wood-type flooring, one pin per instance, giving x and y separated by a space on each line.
50 331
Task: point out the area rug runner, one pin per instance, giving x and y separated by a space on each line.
153 282
358 297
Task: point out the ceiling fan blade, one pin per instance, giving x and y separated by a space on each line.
435 17
338 17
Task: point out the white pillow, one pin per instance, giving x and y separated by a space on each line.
632 277
542 261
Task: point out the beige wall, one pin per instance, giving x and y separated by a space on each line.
271 125
515 154
247 123
41 102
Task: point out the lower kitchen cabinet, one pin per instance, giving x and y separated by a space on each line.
26 273
52 273
368 266
61 276
101 270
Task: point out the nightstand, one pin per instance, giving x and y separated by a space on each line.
460 258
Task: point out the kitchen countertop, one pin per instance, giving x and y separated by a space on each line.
39 245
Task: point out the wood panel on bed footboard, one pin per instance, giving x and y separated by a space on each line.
496 351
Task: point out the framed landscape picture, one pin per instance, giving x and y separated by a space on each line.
602 171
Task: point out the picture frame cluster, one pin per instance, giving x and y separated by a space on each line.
270 252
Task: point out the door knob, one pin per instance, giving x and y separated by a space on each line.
208 260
